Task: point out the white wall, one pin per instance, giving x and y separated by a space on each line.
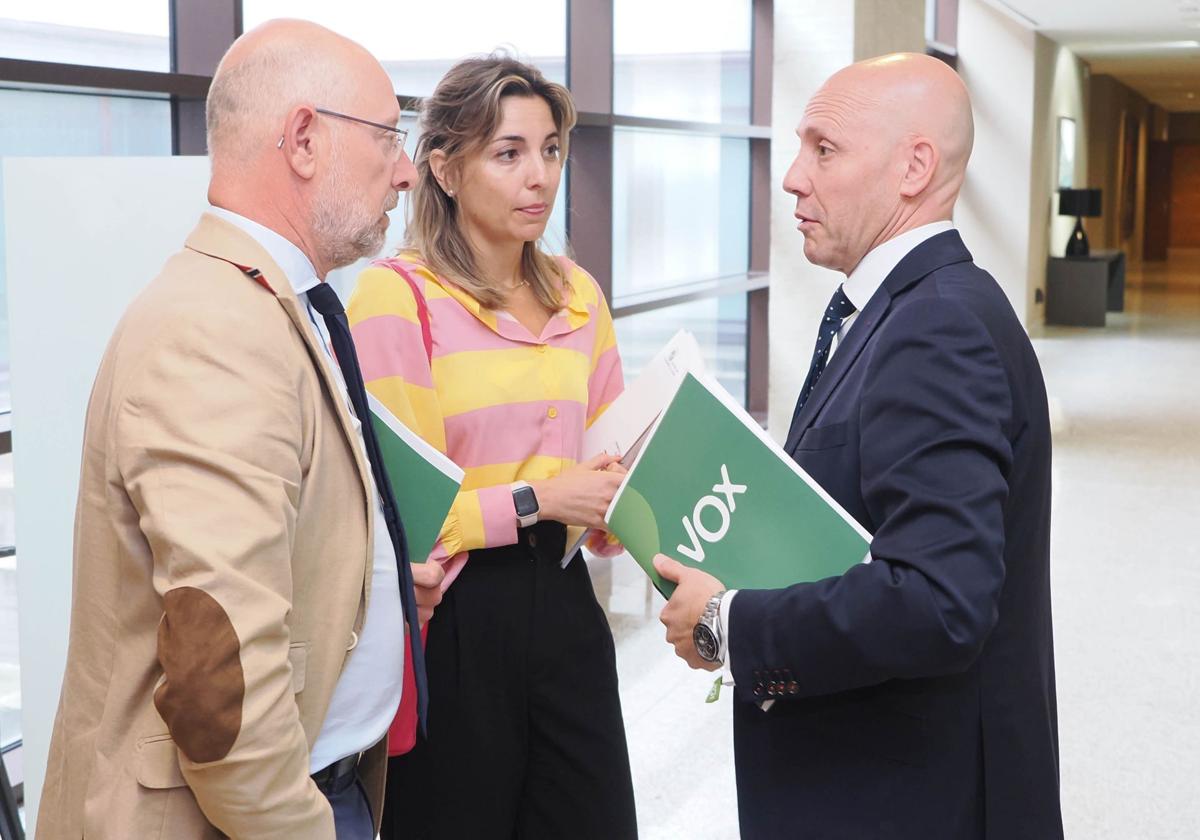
1060 90
996 60
812 41
83 236
1067 98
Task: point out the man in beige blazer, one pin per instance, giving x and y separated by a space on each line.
236 627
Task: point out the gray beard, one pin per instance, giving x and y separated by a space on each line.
344 230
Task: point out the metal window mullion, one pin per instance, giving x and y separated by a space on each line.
758 301
201 32
590 118
590 188
114 80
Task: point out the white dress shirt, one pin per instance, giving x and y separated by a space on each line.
864 281
367 693
862 284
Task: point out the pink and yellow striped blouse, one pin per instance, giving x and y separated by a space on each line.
502 403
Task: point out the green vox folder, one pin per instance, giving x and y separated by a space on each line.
424 481
711 489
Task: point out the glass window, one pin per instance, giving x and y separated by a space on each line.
418 42
719 324
132 34
682 59
681 209
43 123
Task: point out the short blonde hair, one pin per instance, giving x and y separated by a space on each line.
459 119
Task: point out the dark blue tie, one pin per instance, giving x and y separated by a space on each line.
840 308
325 300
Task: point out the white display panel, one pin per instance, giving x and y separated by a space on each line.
83 236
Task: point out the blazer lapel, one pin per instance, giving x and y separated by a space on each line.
221 240
847 351
934 253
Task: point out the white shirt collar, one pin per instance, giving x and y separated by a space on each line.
295 264
874 268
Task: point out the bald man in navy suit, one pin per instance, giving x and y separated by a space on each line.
912 697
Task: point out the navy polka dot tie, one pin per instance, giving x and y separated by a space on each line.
840 308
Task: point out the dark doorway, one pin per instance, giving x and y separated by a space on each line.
1158 200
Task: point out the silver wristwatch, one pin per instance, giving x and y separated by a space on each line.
707 633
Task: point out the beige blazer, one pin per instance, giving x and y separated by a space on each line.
222 563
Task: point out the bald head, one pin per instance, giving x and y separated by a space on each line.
270 70
884 149
302 140
909 95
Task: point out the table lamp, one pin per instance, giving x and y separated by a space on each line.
1078 203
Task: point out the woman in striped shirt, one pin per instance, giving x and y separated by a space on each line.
501 355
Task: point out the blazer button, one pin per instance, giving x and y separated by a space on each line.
353 641
793 687
532 540
759 691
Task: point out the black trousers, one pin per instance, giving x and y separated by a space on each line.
525 738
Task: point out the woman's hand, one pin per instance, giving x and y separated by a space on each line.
427 587
580 495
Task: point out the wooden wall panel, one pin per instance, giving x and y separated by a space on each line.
1185 196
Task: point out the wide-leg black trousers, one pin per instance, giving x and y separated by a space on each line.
525 736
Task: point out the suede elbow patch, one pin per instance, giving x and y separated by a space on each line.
201 697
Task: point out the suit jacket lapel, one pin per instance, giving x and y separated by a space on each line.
217 238
846 352
934 253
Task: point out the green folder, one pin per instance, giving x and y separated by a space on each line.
424 481
711 489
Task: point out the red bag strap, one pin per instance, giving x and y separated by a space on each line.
419 298
251 272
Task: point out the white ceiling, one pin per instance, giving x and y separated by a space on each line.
1151 45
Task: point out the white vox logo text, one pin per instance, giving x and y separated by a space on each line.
723 503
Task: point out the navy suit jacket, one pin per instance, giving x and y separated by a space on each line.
914 695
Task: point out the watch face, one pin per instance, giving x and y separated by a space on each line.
525 501
706 643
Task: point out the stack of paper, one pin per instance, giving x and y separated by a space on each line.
631 415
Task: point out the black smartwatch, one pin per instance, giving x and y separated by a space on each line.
526 503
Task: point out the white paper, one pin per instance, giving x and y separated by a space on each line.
639 406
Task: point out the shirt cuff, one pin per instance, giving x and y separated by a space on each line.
723 618
499 515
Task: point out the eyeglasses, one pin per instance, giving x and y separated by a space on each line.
398 135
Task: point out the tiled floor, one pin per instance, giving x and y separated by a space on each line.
1126 572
